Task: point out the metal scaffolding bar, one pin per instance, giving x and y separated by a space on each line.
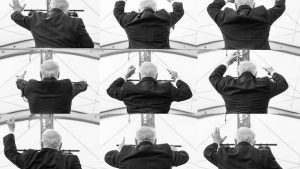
243 120
146 119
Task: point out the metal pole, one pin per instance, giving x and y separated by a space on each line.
146 119
243 120
46 120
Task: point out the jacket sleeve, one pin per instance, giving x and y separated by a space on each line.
112 158
20 19
76 163
276 11
210 153
85 41
216 78
115 90
215 11
177 13
272 163
179 158
182 92
122 17
23 86
278 86
79 87
10 151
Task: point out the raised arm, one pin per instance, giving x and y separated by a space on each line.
79 87
18 17
85 41
179 158
183 91
112 158
122 17
279 84
215 11
276 11
177 13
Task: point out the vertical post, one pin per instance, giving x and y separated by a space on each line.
243 120
48 2
146 119
46 120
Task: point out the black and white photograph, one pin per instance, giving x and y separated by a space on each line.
150 84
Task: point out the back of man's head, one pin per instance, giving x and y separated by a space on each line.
50 69
148 4
51 139
239 3
245 134
148 69
146 134
60 4
247 66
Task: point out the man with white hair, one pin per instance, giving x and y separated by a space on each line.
248 26
49 157
146 154
149 95
243 156
149 28
247 93
50 95
55 29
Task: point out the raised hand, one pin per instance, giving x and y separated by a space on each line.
11 124
130 72
16 6
22 76
217 137
122 144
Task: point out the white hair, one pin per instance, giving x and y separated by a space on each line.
247 66
148 4
60 4
146 134
51 139
148 69
50 69
245 134
239 3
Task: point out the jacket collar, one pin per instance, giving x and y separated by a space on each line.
148 79
147 12
247 74
144 143
244 143
244 9
55 11
49 79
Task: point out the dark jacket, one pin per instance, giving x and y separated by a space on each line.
245 28
148 29
148 96
33 159
50 96
243 156
146 156
55 30
247 94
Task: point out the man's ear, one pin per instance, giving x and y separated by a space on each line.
235 141
58 75
140 75
156 76
41 75
136 142
155 141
